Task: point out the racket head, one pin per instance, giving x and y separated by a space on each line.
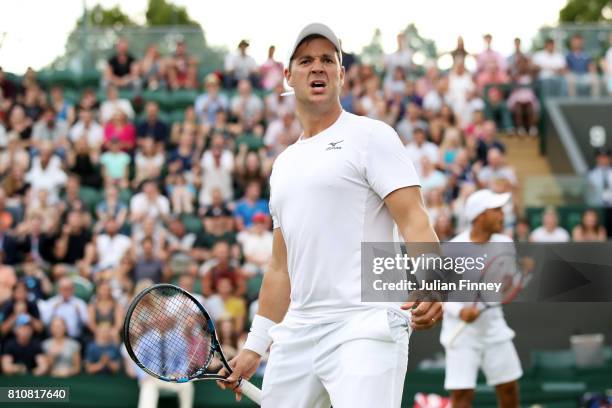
190 342
503 268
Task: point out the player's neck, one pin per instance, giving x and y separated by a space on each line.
479 236
315 121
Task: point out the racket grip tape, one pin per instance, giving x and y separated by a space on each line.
457 332
250 391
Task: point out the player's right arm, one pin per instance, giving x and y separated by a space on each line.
273 305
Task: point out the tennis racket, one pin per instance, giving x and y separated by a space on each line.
502 268
169 334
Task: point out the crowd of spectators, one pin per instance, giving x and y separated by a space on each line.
103 197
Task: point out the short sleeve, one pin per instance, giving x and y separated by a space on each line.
387 164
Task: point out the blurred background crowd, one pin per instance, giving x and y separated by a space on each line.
161 174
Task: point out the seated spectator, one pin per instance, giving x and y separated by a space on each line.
102 355
419 147
444 227
63 353
251 167
149 265
67 308
149 203
411 121
149 162
182 68
34 101
487 141
153 127
217 165
600 180
49 129
523 102
256 243
19 126
431 178
514 60
522 230
23 354
228 339
8 89
182 193
436 98
70 246
496 108
211 101
221 266
85 162
115 165
251 204
153 69
14 157
112 104
607 66
247 107
240 66
41 205
189 124
271 71
89 100
35 242
581 68
89 129
217 209
110 207
589 229
282 132
235 306
549 231
18 307
179 243
449 148
104 310
496 170
64 109
111 246
121 69
551 67
184 152
121 130
276 104
213 303
153 230
401 58
8 247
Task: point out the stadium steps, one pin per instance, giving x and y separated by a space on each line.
524 156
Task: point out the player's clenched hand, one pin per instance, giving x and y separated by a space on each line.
469 314
243 366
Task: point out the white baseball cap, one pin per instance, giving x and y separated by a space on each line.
316 29
483 200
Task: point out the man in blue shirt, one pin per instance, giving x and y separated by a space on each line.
582 69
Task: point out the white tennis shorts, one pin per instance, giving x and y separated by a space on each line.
358 363
499 362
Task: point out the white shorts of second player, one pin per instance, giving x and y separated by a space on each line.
358 363
499 362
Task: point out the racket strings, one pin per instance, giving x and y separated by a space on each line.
170 335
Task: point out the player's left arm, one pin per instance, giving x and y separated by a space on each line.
409 213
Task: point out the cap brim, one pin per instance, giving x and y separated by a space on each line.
499 200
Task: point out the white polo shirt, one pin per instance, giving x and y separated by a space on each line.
327 196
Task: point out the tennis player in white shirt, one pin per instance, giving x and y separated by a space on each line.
346 181
486 342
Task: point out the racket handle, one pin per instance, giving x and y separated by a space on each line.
457 332
250 391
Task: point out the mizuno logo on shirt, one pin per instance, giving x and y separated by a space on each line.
332 145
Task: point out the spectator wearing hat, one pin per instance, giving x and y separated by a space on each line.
23 353
240 66
211 101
